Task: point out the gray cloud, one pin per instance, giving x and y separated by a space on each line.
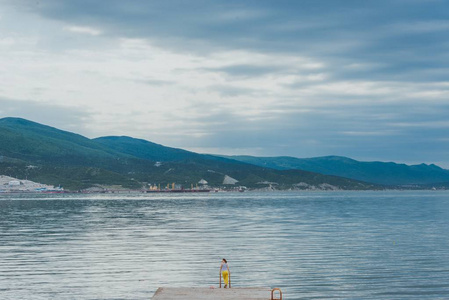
231 91
155 82
402 37
245 71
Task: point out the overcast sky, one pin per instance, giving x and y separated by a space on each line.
363 79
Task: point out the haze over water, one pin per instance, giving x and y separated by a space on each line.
335 245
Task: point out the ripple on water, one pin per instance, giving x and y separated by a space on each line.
343 245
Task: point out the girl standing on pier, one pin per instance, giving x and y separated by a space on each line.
225 272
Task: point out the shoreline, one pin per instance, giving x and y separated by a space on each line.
136 192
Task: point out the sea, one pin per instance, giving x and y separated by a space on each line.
311 245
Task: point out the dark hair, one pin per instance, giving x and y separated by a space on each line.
225 260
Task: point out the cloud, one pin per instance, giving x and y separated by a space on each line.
155 82
340 30
238 71
231 90
83 30
419 27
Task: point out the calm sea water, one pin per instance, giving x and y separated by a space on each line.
335 245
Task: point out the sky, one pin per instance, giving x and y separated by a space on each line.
362 79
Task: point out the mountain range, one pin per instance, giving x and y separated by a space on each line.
49 155
376 172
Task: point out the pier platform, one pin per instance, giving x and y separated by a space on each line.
250 293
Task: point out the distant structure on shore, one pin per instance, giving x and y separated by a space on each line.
229 180
13 185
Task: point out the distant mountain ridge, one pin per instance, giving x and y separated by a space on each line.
48 155
27 140
385 173
145 149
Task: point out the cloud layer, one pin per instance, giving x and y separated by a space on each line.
362 79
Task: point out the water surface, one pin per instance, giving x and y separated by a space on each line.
334 245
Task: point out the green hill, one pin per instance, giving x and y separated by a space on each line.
30 141
194 166
376 172
49 155
145 149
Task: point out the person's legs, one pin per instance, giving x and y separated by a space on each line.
225 278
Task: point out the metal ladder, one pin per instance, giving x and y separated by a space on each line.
272 294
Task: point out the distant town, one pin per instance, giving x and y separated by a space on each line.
13 185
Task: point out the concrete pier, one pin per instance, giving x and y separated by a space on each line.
253 293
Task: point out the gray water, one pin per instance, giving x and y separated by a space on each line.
335 245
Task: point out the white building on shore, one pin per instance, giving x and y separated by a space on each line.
13 185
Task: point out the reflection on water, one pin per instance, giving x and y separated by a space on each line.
345 245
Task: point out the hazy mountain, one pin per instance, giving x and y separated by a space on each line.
376 172
49 155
